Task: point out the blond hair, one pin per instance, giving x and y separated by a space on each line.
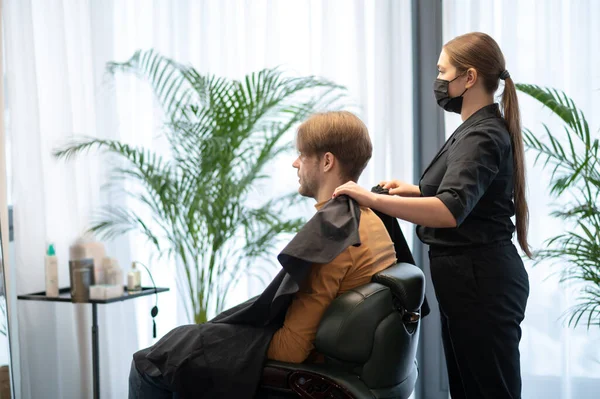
341 133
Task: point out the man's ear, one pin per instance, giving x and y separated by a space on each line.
471 78
328 161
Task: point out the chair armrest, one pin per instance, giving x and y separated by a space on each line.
407 283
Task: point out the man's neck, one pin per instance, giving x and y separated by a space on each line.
326 191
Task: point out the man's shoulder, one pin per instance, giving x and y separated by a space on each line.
370 218
371 226
366 210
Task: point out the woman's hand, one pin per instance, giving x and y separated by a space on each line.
397 187
360 195
424 211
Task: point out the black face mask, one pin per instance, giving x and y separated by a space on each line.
450 104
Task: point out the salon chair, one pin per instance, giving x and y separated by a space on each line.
368 337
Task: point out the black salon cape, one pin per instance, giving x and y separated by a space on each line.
224 357
403 253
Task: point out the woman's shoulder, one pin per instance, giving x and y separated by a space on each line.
487 131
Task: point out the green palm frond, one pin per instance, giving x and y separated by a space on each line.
167 78
223 135
145 167
561 105
573 157
577 153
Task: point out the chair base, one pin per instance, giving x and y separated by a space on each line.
318 381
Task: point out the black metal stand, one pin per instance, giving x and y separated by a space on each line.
65 296
95 351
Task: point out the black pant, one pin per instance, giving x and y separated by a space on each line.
482 294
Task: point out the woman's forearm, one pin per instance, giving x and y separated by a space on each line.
415 191
424 211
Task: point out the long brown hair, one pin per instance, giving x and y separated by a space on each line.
479 51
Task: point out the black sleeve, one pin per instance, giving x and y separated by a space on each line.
472 164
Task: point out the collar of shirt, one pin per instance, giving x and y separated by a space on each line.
321 204
489 111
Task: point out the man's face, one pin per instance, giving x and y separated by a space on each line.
309 174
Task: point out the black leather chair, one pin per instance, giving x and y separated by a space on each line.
369 338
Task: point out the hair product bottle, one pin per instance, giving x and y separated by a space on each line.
51 267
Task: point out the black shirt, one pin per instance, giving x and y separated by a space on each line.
472 175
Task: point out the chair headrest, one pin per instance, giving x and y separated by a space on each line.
407 283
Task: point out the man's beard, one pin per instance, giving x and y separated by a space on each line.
308 188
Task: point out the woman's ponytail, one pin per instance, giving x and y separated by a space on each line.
512 116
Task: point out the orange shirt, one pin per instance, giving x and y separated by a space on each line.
352 268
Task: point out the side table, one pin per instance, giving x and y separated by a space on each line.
64 295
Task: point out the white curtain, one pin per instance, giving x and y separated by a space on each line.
55 56
550 43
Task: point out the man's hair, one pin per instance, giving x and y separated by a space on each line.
341 133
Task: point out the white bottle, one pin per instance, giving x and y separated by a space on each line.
117 276
51 267
134 280
113 274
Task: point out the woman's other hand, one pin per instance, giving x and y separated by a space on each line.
400 188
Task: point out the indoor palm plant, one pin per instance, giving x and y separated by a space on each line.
222 134
575 178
